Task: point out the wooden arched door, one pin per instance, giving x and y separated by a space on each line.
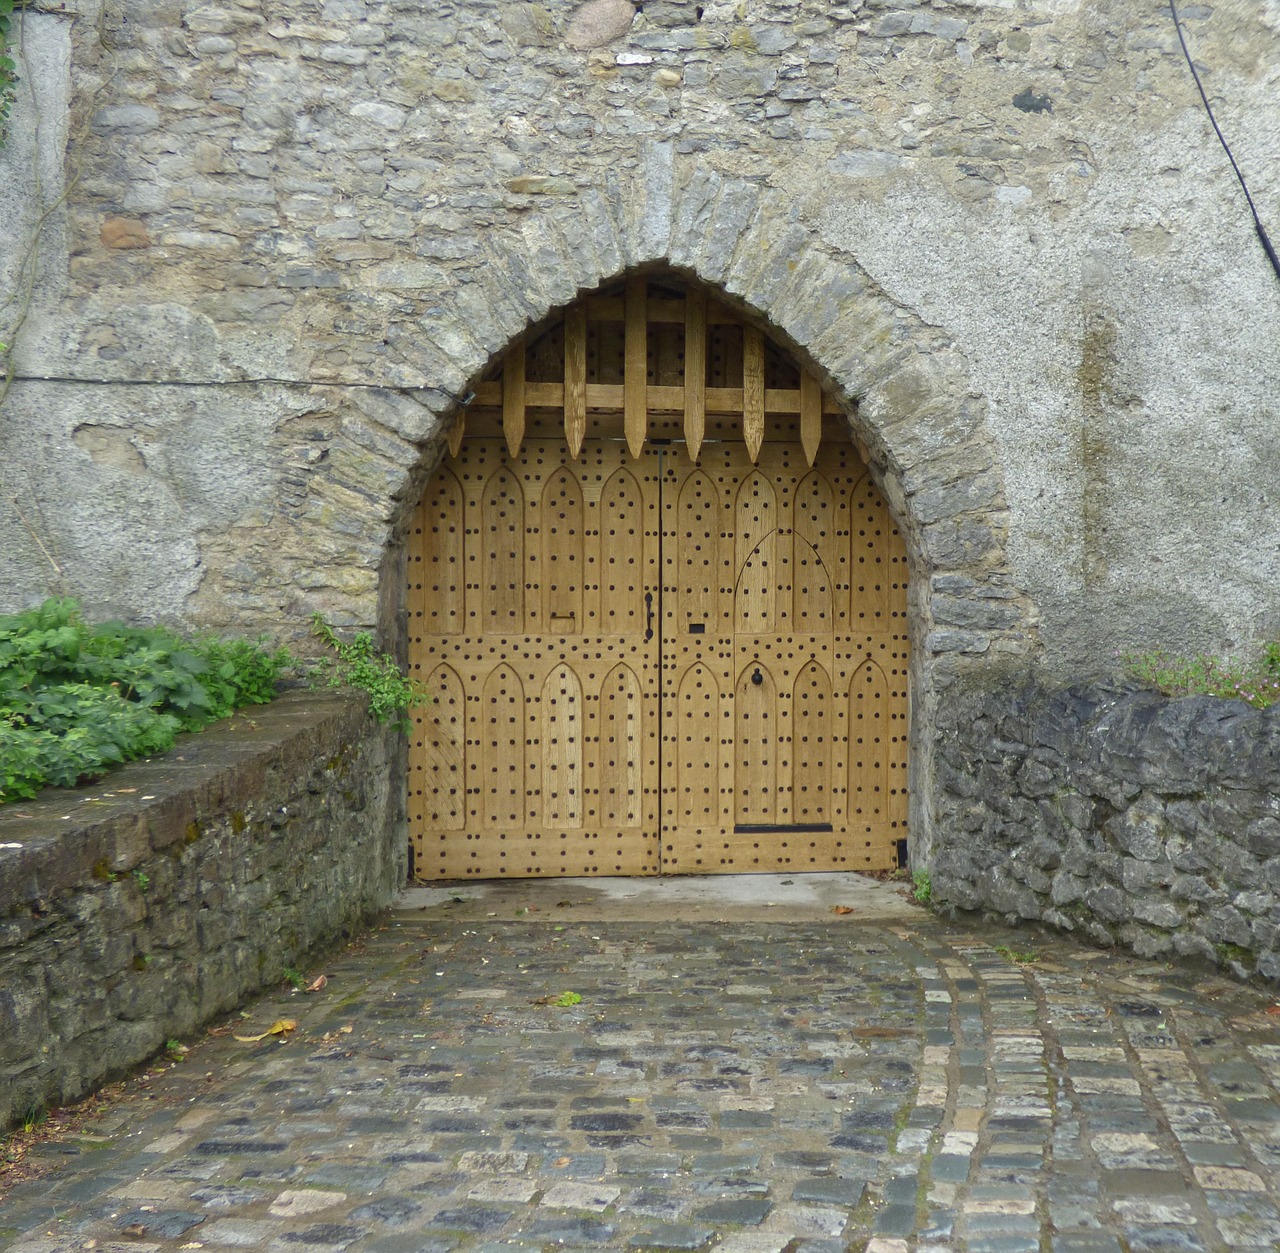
644 661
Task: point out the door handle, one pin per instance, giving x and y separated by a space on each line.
648 616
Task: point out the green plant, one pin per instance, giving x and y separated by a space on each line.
175 1050
1019 957
142 879
76 700
392 693
1254 680
294 979
923 889
8 70
33 1118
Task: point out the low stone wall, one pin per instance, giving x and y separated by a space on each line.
1118 814
133 911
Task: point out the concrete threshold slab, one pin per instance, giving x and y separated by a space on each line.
686 898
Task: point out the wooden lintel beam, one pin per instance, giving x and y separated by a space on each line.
671 309
608 397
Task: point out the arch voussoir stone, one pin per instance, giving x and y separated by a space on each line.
709 256
648 214
492 325
550 261
582 261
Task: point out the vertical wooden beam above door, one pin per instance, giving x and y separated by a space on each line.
810 415
575 376
752 390
456 432
635 384
513 397
695 370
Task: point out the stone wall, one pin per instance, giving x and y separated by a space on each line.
133 911
1117 814
270 244
293 230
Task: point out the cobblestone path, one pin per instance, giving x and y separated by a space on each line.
750 1086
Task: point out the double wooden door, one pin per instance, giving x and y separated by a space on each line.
643 664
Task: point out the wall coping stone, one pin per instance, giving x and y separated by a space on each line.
68 837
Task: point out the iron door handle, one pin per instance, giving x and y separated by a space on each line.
648 612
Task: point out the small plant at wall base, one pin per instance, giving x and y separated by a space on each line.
392 693
1256 681
77 699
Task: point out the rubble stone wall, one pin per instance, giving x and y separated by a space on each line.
1117 814
133 911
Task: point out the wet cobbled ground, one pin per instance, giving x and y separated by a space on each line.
491 1082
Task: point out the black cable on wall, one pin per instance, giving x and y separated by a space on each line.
1259 229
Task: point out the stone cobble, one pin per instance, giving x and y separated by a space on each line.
754 1087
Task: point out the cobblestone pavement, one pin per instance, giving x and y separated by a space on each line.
754 1086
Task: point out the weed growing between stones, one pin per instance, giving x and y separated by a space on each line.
392 693
922 892
1256 681
1019 956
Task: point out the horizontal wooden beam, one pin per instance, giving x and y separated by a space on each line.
610 309
608 397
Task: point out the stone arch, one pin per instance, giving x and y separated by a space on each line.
918 421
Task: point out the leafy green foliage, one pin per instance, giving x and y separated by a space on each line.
8 68
1256 680
1019 956
922 892
76 699
392 693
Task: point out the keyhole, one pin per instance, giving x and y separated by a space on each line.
757 678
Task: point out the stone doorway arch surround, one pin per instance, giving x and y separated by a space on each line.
902 383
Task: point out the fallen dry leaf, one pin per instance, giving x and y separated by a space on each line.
842 909
319 982
281 1026
1273 1009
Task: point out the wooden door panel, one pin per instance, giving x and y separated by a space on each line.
551 718
812 746
496 546
816 575
620 766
